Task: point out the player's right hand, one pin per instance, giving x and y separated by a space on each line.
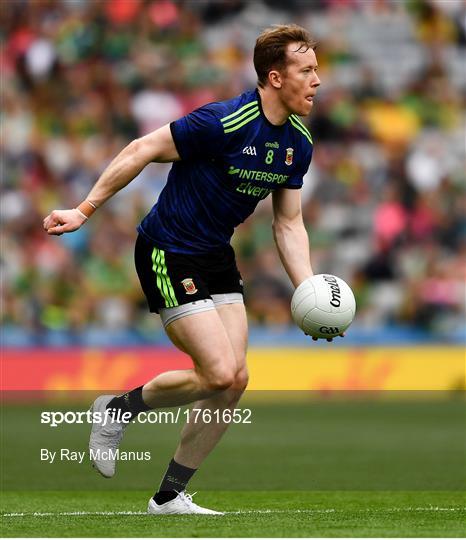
63 221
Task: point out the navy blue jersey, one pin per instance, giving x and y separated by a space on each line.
232 157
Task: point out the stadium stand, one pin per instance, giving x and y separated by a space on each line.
384 199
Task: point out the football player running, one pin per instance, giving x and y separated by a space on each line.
227 157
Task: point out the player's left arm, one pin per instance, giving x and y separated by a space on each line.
290 234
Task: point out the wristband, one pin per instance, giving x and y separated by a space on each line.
86 208
83 215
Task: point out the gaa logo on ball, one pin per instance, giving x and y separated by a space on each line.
323 306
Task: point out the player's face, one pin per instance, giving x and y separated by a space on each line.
299 80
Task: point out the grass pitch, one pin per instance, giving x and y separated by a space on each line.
302 468
248 514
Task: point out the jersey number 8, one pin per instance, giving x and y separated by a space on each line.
269 157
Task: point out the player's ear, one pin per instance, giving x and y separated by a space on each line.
275 78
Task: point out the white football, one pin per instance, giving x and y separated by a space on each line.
323 306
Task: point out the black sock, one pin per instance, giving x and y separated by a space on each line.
175 480
131 402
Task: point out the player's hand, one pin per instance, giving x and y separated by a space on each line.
328 339
63 221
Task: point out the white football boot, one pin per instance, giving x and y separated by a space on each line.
182 504
104 439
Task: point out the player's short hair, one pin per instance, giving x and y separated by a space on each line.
270 49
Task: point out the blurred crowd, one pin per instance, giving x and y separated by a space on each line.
384 199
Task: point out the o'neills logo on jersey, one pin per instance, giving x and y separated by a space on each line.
250 150
289 156
189 286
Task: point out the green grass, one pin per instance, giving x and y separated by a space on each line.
351 444
350 466
254 514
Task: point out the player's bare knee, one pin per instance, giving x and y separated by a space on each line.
219 380
241 380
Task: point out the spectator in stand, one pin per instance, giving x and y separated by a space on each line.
75 76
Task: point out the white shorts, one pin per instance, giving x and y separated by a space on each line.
169 315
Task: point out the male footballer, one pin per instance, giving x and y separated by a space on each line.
227 156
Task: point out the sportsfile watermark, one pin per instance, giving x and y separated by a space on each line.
357 441
51 456
109 416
